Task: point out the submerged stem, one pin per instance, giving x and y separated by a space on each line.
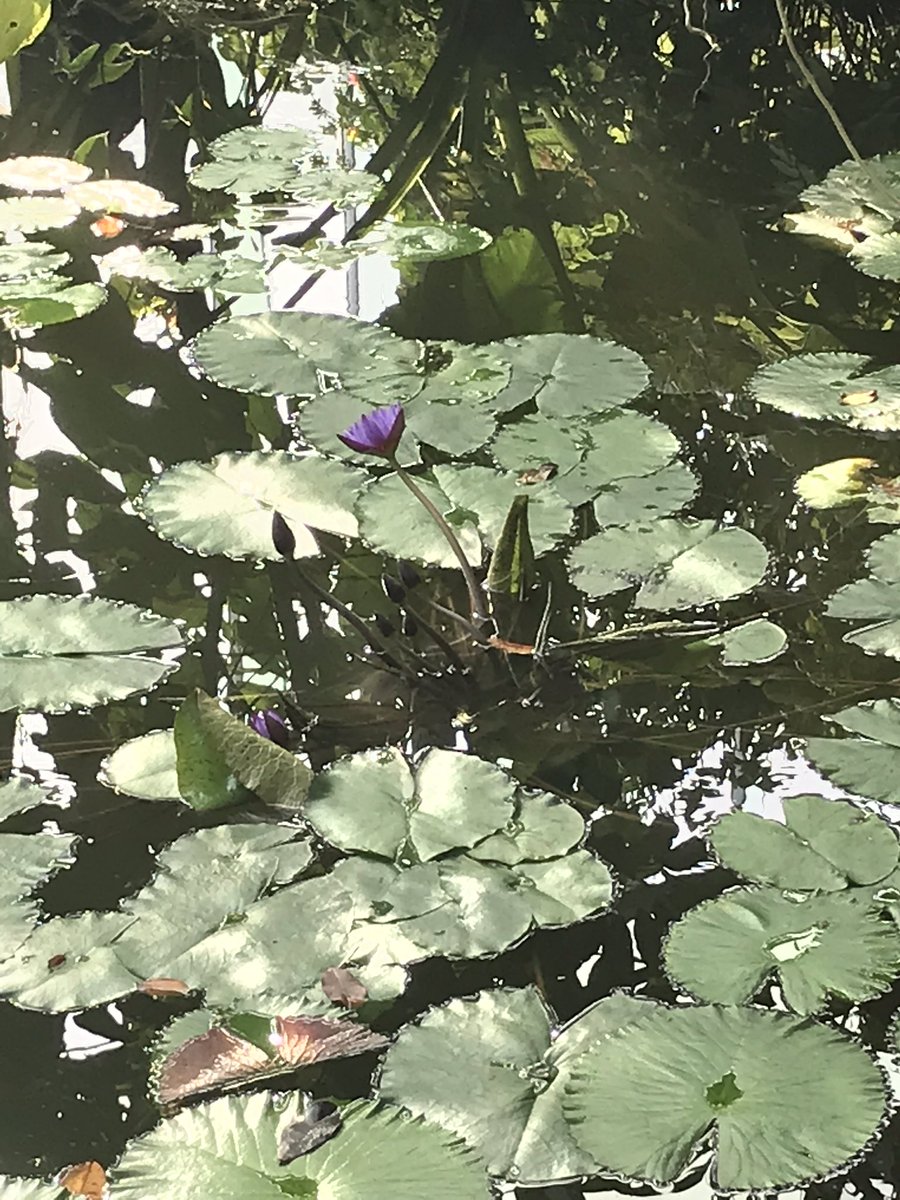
476 596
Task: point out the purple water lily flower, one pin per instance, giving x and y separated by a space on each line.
271 726
376 432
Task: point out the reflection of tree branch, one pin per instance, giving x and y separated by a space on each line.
509 119
211 662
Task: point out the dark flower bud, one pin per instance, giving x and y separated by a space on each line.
271 726
393 589
409 628
409 576
282 536
384 626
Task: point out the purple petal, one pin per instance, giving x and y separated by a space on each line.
376 432
268 724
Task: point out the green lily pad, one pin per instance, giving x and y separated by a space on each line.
878 256
52 303
834 484
124 196
803 1101
252 160
59 652
30 214
646 497
756 641
488 494
679 564
296 353
825 845
225 506
489 1070
393 521
407 242
543 827
834 944
867 765
851 188
206 879
229 1148
41 173
144 767
336 185
874 599
31 1189
18 795
374 802
589 455
570 374
832 387
25 260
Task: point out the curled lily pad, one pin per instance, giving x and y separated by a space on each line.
41 173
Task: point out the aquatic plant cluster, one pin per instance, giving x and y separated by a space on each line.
442 535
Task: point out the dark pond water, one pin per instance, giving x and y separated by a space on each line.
655 740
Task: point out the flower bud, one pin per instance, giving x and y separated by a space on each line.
384 626
409 628
409 576
282 536
271 726
393 589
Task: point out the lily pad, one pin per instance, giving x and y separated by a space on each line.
756 641
867 765
144 767
834 484
336 185
493 1071
229 1148
488 494
225 506
570 374
374 802
29 214
50 300
60 652
251 160
18 795
844 388
851 188
646 497
303 354
824 845
392 520
124 196
788 1101
679 564
407 242
836 944
41 173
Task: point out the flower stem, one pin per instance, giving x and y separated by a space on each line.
476 596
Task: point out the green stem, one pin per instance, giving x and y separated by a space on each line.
476 596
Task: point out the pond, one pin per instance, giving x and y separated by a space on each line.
449 749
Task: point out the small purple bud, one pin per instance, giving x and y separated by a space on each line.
393 589
409 628
376 432
282 536
409 576
271 726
